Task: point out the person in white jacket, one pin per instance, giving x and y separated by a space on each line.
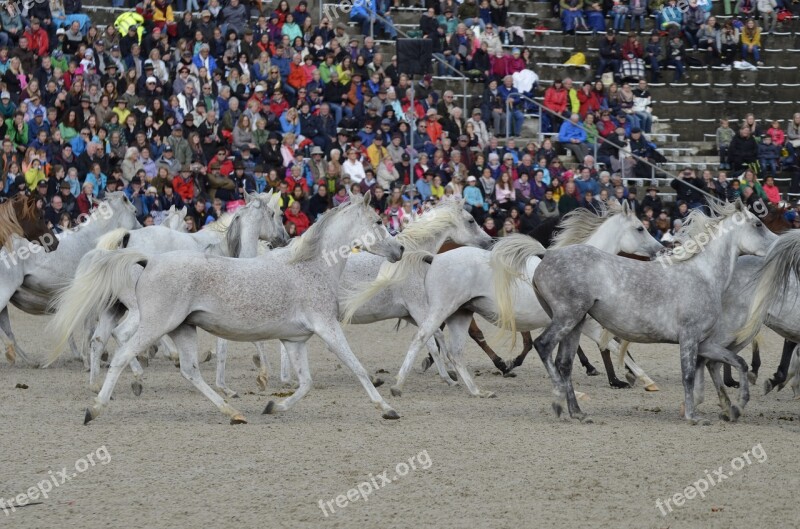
480 127
641 106
769 17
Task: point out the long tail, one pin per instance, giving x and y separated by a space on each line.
100 278
782 261
508 261
114 239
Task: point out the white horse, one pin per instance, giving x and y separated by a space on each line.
687 288
30 278
454 297
176 219
234 299
397 289
259 220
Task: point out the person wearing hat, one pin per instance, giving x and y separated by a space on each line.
180 146
610 55
376 152
317 163
652 201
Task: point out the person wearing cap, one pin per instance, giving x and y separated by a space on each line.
180 146
377 151
653 201
610 54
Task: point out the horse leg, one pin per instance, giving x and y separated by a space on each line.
77 355
286 365
714 352
610 373
779 378
638 372
424 333
222 356
587 365
545 343
477 336
689 349
459 324
7 335
171 350
567 348
719 385
794 373
185 338
97 344
262 365
428 361
298 352
139 341
333 336
436 345
755 363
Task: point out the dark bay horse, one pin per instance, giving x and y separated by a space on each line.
19 216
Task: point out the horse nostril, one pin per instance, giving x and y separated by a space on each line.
402 248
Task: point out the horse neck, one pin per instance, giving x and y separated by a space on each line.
606 237
248 239
332 257
718 257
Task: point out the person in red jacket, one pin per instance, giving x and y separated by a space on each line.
555 98
38 42
588 100
295 214
224 161
183 184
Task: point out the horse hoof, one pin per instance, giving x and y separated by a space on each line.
11 355
453 375
585 419
731 384
652 387
591 371
144 360
752 377
377 382
735 413
582 396
238 419
270 409
88 417
509 374
137 387
396 392
768 386
725 417
427 362
391 415
261 380
487 394
631 378
104 356
618 384
557 409
205 358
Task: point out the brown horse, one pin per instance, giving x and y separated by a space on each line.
19 216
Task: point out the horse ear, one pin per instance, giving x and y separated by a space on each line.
367 198
171 209
626 210
275 201
184 211
739 205
247 197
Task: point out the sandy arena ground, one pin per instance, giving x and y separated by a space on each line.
503 462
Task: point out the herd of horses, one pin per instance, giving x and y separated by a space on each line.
603 276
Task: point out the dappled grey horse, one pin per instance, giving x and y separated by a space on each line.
208 293
675 299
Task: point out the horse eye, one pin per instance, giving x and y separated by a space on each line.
378 222
759 225
472 221
640 228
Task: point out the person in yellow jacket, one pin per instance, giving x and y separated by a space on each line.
34 174
573 104
751 42
128 19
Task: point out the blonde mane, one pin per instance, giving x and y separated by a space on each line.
9 224
421 231
580 224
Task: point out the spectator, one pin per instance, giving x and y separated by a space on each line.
689 188
573 138
743 151
751 42
769 156
610 54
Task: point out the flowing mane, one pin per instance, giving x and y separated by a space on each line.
307 246
580 224
11 212
698 225
422 230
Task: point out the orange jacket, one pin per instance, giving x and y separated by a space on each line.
297 76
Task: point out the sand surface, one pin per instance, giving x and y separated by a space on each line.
174 461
